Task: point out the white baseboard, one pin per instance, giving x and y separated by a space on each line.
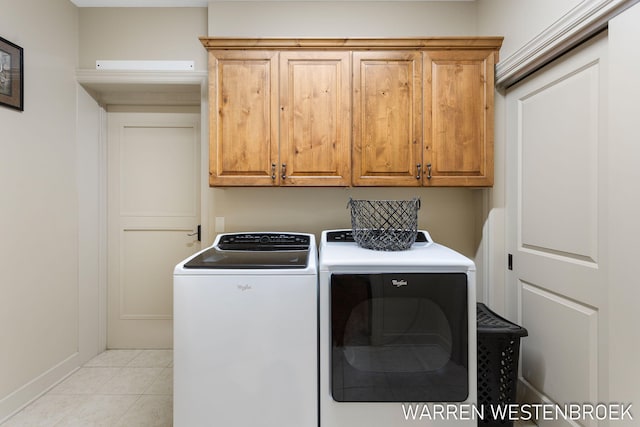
527 393
16 401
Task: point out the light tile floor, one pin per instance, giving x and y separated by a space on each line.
119 388
116 388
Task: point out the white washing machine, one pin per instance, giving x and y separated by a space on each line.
397 335
246 333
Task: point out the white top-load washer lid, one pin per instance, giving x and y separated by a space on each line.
255 251
338 251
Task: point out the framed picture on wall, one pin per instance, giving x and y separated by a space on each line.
11 75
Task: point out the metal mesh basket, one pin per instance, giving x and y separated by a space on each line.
385 225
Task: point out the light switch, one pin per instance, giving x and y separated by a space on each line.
219 224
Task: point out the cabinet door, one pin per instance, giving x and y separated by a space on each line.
387 118
315 119
243 96
458 118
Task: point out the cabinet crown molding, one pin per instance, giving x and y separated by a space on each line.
445 43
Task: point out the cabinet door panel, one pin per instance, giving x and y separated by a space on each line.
459 117
243 113
387 129
315 126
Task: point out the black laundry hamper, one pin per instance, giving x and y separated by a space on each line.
498 353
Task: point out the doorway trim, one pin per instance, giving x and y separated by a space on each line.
149 89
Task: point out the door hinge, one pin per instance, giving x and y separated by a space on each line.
510 262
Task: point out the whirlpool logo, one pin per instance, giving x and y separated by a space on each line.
398 283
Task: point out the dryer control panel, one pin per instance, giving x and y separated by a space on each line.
347 236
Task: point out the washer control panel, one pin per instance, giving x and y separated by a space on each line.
264 241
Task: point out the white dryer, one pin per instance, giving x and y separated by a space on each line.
397 335
246 334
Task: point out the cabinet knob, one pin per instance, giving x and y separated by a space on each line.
419 169
284 171
428 170
273 171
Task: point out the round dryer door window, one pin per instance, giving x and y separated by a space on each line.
399 337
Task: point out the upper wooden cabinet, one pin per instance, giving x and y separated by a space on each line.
362 112
243 104
279 118
315 118
387 112
458 117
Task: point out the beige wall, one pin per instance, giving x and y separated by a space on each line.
448 214
38 201
341 19
142 34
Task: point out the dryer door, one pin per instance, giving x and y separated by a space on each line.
399 337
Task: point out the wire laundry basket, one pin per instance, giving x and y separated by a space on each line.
384 225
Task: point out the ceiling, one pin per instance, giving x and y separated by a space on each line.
182 3
140 3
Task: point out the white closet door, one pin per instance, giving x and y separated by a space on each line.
153 204
556 180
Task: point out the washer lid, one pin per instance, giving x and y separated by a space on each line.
254 251
215 258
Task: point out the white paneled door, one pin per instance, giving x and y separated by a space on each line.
153 207
556 170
